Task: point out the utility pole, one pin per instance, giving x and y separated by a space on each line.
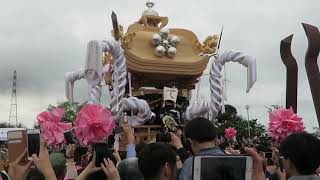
248 107
13 107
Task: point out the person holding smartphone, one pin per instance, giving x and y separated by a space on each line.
300 156
71 165
106 171
128 133
202 136
157 161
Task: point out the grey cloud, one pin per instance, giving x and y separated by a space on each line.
44 39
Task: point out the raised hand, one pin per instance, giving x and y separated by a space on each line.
257 172
175 141
281 175
90 169
43 163
18 171
110 170
128 133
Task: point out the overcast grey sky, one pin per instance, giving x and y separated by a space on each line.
43 39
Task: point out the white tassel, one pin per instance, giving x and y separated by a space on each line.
93 66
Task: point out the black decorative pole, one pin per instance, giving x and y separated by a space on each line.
311 64
292 72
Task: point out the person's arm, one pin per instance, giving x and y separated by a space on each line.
131 151
70 164
110 170
117 156
281 175
43 163
257 172
90 169
18 171
181 151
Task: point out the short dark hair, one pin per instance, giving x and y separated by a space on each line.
153 157
201 130
129 169
303 151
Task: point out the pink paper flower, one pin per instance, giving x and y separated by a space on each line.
230 133
94 123
284 122
51 126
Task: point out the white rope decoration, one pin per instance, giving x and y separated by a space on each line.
119 76
137 105
95 93
198 108
215 76
71 78
94 55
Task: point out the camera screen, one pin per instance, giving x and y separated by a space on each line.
33 144
223 168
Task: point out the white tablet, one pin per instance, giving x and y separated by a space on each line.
223 167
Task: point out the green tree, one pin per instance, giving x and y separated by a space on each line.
7 125
231 119
71 110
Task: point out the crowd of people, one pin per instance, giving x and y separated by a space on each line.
299 153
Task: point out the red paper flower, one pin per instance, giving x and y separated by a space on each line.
284 122
51 126
94 123
230 133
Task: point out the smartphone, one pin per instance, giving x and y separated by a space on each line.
280 164
68 136
33 142
222 167
268 155
17 143
110 142
101 150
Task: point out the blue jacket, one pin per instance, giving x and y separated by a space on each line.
186 171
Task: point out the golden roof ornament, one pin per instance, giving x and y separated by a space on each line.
118 33
150 11
158 56
211 44
165 43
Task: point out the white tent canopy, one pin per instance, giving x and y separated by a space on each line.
4 132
